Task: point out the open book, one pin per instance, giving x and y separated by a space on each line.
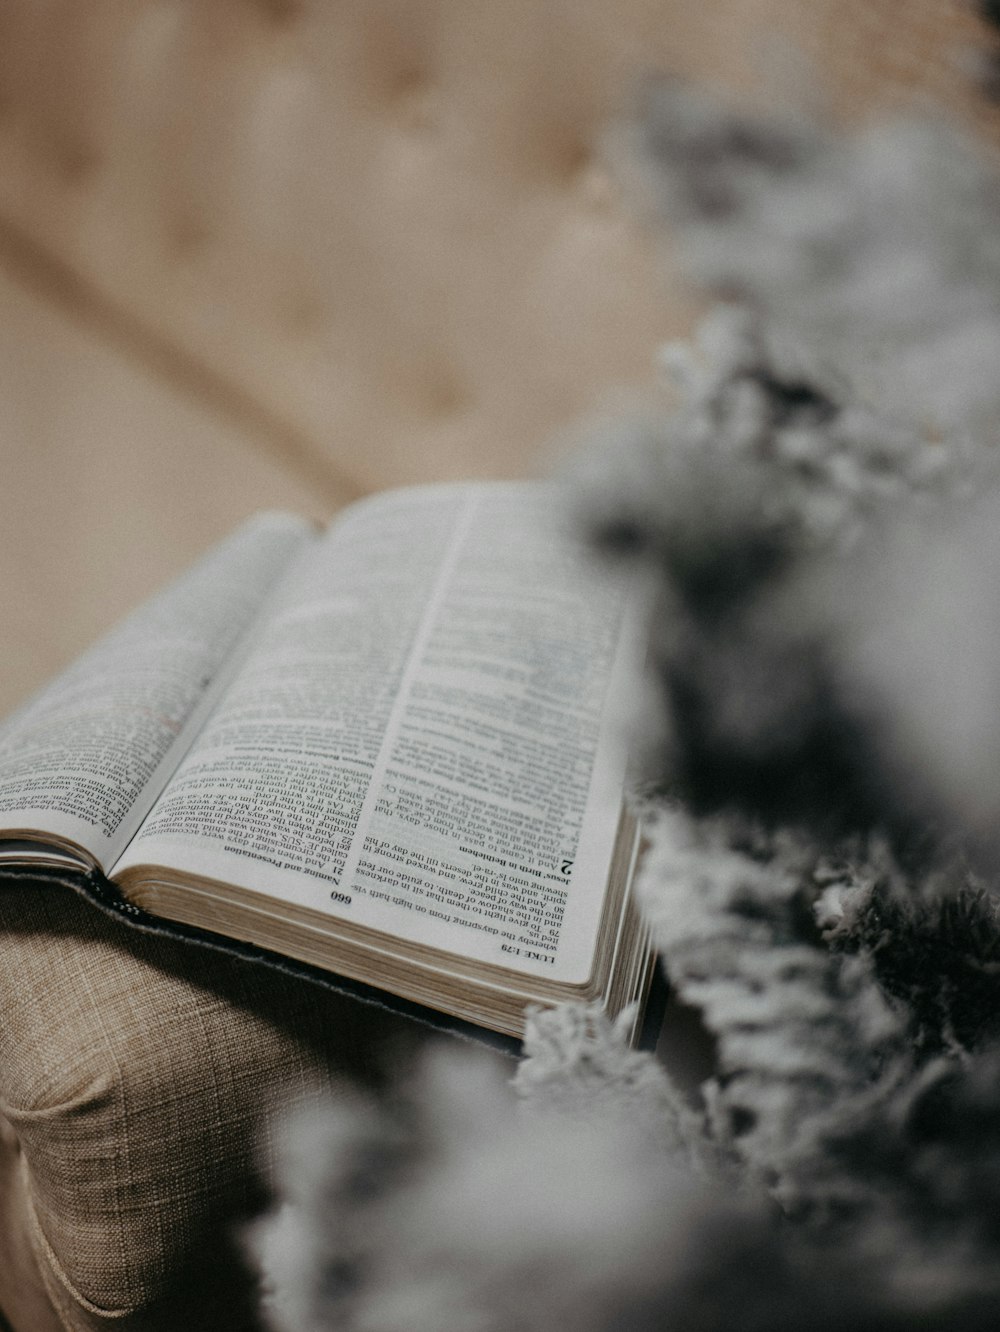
389 750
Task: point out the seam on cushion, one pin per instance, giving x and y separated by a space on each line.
18 1114
123 1118
51 1262
53 1302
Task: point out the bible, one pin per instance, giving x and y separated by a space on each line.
389 750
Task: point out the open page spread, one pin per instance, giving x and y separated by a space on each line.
420 741
86 757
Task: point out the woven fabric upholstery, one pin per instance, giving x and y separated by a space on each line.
138 1076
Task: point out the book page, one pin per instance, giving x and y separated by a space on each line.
421 741
83 760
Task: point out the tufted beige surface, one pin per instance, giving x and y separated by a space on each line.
285 251
390 226
352 242
280 252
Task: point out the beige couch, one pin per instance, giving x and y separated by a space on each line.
287 251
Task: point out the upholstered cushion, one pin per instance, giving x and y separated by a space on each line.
136 1080
385 234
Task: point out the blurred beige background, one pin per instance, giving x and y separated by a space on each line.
283 252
